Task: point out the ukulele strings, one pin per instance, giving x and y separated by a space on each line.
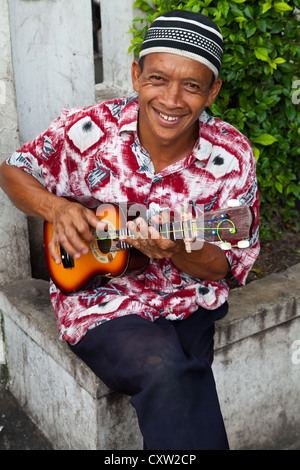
214 230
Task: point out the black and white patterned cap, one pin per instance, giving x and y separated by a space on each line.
187 34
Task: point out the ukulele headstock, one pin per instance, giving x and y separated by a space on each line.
232 226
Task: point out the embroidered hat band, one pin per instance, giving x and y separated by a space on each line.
187 34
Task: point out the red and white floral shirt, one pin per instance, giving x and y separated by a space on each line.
93 154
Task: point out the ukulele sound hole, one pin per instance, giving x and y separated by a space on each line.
104 245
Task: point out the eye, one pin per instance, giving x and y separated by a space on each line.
192 87
156 79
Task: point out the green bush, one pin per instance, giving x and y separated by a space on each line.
260 93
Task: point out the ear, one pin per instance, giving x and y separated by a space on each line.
213 92
135 75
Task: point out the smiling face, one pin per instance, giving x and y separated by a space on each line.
173 92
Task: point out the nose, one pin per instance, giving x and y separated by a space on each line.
171 96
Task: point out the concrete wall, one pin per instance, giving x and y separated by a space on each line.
9 136
14 248
116 41
71 406
257 366
53 59
116 19
53 68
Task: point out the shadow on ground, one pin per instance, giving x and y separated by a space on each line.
17 431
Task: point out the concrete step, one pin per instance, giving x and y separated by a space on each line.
257 380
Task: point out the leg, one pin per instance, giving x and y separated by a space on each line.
173 391
202 424
196 333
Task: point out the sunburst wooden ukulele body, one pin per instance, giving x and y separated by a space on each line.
109 257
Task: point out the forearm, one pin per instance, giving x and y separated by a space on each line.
71 221
208 263
27 193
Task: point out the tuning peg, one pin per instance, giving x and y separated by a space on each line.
243 244
233 203
225 246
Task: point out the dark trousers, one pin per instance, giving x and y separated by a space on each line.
165 366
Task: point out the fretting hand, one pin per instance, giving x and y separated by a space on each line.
149 241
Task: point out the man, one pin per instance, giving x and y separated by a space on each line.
148 334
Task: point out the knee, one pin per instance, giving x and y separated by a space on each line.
173 367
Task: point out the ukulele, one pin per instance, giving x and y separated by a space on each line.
109 257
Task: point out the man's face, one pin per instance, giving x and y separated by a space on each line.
173 92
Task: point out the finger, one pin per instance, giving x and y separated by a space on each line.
153 234
76 243
92 218
84 225
53 250
88 226
142 228
162 218
72 243
133 229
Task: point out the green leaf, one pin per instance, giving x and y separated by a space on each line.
262 25
277 27
291 113
278 186
290 189
249 12
266 6
279 60
261 54
264 139
240 19
138 18
227 58
282 6
250 31
137 40
256 153
223 7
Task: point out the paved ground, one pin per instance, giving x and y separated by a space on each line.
17 431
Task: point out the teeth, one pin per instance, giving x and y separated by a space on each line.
168 118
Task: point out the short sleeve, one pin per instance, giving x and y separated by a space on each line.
245 190
44 157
